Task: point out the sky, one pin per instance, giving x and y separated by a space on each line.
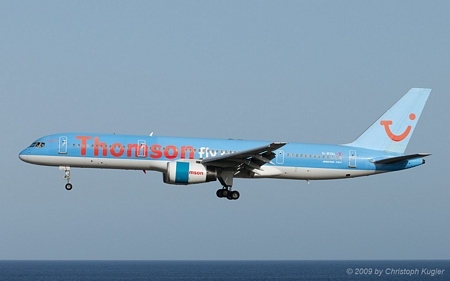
295 71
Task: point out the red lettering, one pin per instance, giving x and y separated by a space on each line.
139 150
190 149
167 152
197 173
83 143
156 151
130 149
113 150
102 145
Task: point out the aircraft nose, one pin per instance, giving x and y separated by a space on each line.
24 155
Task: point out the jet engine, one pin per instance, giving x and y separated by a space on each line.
188 173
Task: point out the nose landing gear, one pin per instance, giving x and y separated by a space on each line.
66 176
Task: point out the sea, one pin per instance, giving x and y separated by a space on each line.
225 270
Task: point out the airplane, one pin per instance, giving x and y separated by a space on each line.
184 161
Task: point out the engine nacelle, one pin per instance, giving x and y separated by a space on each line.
188 172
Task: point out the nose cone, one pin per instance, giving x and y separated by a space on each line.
24 154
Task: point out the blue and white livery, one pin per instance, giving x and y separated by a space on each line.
186 161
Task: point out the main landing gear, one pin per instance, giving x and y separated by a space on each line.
229 194
226 179
67 176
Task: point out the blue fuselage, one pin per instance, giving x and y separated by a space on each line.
294 160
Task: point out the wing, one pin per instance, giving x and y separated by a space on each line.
248 159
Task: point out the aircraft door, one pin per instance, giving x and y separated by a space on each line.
62 146
280 157
352 159
142 149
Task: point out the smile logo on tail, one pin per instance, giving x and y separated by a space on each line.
391 135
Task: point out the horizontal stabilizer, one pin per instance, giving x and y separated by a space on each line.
391 160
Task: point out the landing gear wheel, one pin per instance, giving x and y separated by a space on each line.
225 192
219 193
69 186
233 195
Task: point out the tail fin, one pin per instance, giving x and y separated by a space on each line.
393 130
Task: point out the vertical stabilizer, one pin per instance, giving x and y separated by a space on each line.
393 130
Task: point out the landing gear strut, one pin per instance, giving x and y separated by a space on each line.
66 176
226 179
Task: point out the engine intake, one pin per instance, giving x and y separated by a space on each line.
188 173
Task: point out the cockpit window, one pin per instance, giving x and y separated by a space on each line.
38 144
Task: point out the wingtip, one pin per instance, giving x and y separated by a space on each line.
279 143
